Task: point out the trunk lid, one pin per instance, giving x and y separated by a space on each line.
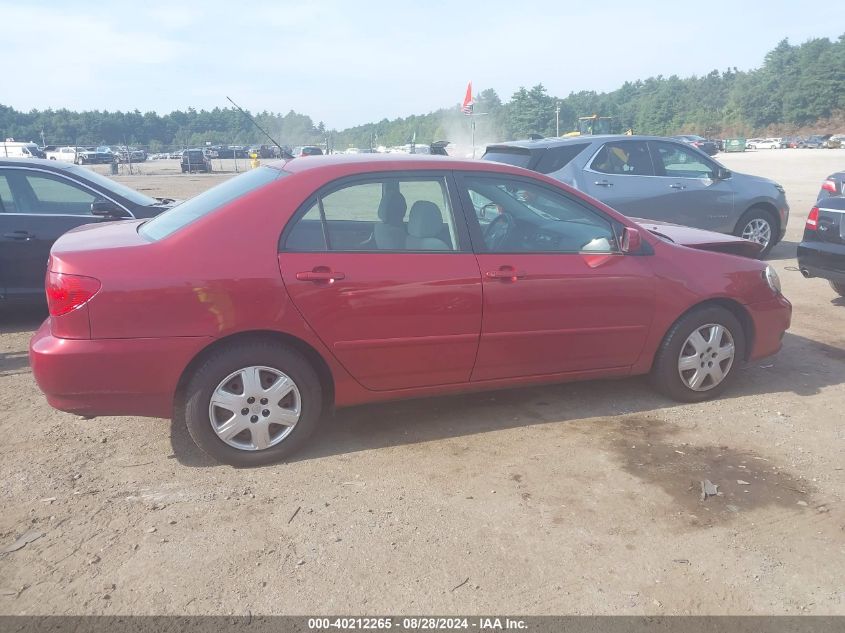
831 226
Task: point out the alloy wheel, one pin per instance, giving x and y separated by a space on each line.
706 357
758 230
255 408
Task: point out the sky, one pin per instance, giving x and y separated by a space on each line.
359 61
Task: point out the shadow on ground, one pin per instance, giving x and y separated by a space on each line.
804 367
783 251
21 318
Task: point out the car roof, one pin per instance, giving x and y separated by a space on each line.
543 143
363 163
43 163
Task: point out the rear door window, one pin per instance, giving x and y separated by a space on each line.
389 213
623 158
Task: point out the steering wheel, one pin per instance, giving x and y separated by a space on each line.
498 230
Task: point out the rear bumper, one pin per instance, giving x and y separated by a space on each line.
822 259
111 376
771 320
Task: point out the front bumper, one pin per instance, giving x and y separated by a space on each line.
111 376
771 319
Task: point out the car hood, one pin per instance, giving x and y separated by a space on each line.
701 239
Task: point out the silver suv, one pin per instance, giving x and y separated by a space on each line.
659 179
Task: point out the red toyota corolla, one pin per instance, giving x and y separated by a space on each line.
257 306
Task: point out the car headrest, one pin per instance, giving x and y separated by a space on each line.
392 208
426 219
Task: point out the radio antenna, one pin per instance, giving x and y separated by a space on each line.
284 152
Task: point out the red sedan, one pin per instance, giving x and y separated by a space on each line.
255 307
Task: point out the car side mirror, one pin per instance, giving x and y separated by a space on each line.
108 209
721 174
631 240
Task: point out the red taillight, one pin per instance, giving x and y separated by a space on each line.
829 185
812 220
68 292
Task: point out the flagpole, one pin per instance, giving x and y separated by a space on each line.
472 125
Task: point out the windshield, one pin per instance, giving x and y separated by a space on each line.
130 194
210 200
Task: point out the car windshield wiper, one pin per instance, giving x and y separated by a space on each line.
661 235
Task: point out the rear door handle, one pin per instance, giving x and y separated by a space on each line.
505 273
603 183
677 186
320 275
24 236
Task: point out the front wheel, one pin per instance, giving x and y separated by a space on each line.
757 225
838 287
698 358
252 403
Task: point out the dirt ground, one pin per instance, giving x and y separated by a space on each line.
568 499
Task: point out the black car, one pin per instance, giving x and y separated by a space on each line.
814 142
711 148
42 199
822 251
307 150
834 185
195 160
230 151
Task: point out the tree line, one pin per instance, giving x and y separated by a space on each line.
798 87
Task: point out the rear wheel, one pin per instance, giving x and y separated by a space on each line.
699 355
758 225
838 287
252 403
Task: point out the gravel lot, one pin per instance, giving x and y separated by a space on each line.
576 499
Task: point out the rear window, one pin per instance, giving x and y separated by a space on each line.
556 158
517 156
180 216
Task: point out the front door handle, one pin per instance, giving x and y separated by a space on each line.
320 274
603 183
23 236
677 186
505 273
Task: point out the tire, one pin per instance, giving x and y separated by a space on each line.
838 287
757 215
223 365
666 375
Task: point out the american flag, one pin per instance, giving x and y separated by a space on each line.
466 107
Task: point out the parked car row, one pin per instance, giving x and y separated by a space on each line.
94 155
711 148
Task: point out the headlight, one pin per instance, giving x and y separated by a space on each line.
772 279
780 188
